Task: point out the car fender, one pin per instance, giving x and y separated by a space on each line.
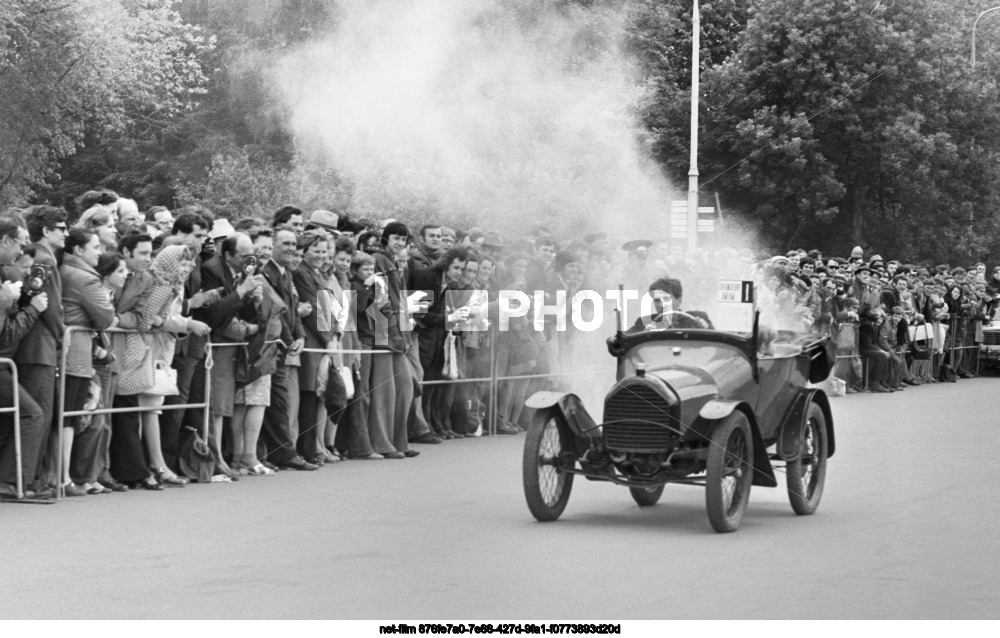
793 425
571 407
717 410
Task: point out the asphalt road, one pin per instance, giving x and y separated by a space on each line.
907 529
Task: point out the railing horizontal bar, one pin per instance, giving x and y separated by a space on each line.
148 408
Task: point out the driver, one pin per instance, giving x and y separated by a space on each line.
667 296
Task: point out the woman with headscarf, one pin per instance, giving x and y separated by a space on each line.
161 319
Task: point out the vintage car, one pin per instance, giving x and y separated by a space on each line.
691 406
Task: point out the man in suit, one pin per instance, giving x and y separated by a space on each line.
38 353
276 436
225 272
189 353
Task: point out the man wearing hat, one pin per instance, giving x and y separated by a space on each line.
324 219
867 295
221 229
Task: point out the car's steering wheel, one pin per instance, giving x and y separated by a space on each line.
697 320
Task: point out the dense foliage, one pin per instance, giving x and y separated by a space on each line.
823 123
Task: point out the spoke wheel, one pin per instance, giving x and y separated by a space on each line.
646 496
546 487
729 473
805 476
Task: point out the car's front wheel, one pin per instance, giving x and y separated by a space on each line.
646 496
546 486
729 473
806 475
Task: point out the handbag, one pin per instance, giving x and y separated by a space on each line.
348 377
450 369
164 380
920 344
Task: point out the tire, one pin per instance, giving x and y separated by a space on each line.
546 488
729 473
805 476
646 496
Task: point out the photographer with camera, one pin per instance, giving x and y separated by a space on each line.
235 273
15 322
38 352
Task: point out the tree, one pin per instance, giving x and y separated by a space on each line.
74 74
837 123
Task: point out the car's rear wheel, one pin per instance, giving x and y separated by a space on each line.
729 473
646 496
546 486
806 475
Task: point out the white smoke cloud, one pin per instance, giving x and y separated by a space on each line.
495 112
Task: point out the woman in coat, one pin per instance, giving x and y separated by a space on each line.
161 319
87 305
318 329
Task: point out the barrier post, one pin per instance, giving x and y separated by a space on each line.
61 410
16 413
491 420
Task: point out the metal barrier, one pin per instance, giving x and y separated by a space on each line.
62 414
15 410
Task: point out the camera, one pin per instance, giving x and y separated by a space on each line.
38 276
250 265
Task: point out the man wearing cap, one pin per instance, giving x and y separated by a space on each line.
867 295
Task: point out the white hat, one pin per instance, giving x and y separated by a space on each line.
221 228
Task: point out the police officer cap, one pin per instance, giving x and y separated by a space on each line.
637 245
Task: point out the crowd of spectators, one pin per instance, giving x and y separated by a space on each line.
894 324
303 333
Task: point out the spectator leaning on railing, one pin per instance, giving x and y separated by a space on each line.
16 320
38 352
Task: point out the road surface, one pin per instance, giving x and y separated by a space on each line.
907 529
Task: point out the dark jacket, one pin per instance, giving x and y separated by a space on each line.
385 263
431 325
291 324
40 346
215 274
308 283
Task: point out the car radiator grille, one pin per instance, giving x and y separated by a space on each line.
626 416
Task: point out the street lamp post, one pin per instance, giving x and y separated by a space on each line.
974 25
692 207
